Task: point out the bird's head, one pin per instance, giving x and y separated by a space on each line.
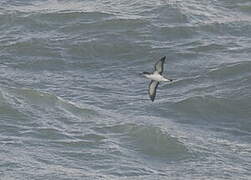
144 73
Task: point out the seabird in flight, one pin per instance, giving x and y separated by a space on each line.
156 77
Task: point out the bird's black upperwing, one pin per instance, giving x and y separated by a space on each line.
159 65
152 89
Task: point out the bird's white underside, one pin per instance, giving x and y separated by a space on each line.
156 77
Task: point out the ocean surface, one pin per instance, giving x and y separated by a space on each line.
74 106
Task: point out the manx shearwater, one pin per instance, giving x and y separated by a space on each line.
156 77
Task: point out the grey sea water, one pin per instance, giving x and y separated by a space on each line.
73 105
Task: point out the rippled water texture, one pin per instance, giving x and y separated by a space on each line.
73 105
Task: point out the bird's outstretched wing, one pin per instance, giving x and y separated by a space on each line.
152 89
159 65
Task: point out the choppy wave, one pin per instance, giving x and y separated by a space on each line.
213 108
30 99
151 141
72 103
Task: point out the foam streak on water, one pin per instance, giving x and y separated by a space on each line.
73 106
